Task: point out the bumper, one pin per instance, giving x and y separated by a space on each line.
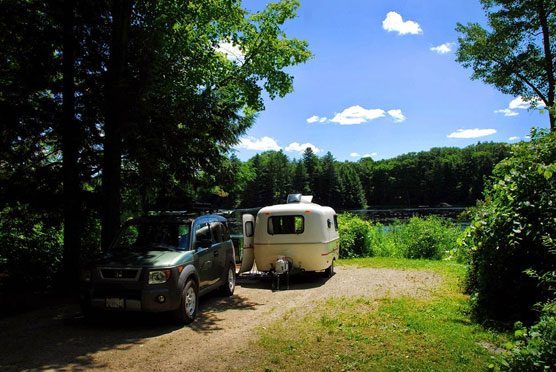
307 257
126 299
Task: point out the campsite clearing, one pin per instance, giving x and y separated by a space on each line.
229 334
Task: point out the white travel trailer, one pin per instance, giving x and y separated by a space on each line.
304 232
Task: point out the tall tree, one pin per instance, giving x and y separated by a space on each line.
115 116
70 149
311 163
300 179
188 98
517 55
330 184
253 192
353 196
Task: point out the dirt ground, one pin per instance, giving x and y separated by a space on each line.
59 338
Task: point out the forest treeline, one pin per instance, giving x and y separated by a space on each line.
438 177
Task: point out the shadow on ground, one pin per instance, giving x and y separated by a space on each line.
300 281
59 337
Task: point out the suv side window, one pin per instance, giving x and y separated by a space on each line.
183 236
216 229
225 231
202 232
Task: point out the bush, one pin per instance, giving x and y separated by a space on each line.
31 247
420 238
429 238
534 348
354 236
510 231
381 242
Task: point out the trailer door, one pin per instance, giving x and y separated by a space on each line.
248 242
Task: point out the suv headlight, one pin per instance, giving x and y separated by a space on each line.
159 276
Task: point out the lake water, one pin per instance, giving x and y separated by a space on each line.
383 215
389 215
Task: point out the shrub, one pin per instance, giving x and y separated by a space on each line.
380 241
429 238
534 348
30 248
509 232
354 236
420 238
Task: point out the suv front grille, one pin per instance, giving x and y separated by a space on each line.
120 274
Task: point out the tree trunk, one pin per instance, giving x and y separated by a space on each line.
70 149
543 17
116 113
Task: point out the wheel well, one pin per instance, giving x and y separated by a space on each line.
193 275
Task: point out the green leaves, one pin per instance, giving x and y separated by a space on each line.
516 53
510 232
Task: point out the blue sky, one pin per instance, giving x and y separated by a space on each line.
384 82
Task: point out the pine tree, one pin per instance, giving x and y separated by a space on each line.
353 196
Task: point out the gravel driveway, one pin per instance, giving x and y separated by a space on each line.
58 338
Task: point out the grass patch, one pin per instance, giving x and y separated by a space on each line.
359 334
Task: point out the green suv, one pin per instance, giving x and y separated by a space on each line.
161 263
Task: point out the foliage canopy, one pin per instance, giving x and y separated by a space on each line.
513 231
517 54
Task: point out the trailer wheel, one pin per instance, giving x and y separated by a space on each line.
330 271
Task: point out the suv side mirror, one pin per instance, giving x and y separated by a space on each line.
203 243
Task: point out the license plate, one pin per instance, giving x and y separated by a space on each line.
115 303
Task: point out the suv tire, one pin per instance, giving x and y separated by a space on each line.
189 304
229 285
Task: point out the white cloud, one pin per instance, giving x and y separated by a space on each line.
519 104
262 144
296 147
513 138
312 119
357 115
396 115
443 49
354 155
232 51
394 22
471 133
506 112
372 155
315 118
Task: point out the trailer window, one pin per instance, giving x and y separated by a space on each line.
336 222
249 229
286 225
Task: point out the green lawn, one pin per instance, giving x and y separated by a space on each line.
404 334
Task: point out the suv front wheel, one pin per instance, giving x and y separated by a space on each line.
189 304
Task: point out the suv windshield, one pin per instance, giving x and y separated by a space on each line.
153 235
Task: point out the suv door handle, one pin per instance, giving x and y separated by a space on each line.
216 253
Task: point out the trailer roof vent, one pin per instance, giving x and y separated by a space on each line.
298 198
294 198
